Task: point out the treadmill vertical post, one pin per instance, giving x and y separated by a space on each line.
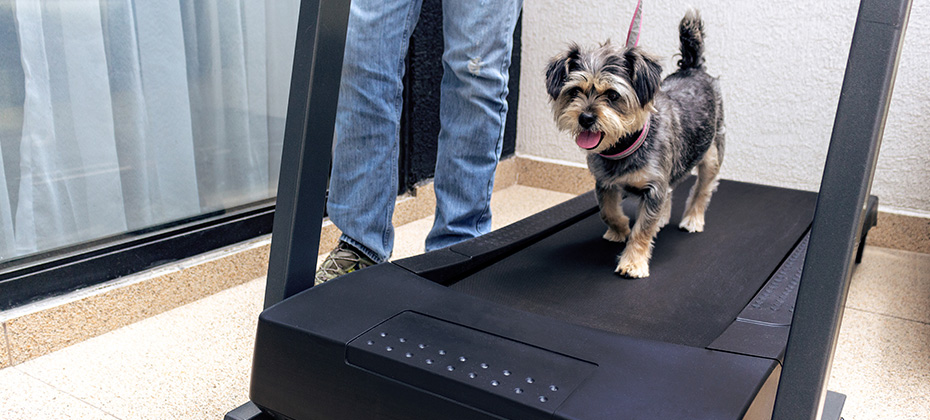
307 149
844 189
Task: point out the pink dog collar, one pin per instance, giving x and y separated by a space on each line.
633 147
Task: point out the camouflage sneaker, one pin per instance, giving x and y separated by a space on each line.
344 259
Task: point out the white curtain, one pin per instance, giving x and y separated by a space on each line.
119 115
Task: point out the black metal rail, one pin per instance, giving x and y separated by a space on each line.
844 189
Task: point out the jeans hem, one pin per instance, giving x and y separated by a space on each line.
368 253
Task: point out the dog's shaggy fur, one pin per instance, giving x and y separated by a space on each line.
605 97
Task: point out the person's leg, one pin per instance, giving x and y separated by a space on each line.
478 44
363 183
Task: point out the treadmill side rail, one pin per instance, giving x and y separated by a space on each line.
448 265
762 328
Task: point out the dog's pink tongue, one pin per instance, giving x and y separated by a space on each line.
588 139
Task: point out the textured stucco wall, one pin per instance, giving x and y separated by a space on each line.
781 68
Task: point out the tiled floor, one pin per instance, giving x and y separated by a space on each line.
882 361
193 362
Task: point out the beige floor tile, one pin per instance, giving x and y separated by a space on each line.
520 201
24 397
507 206
882 364
892 282
410 239
189 363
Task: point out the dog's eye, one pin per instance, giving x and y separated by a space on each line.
612 96
573 92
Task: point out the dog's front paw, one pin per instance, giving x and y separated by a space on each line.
633 266
614 235
692 223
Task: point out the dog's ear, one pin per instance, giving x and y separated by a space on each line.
645 74
558 69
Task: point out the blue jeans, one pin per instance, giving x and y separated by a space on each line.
473 107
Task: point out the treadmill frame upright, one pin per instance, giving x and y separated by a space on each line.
307 149
845 187
844 191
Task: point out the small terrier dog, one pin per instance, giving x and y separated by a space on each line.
642 138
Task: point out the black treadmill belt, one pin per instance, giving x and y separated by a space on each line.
698 282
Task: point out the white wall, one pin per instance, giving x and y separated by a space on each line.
781 67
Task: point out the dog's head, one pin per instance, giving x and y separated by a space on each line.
602 95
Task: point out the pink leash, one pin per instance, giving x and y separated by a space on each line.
632 40
636 26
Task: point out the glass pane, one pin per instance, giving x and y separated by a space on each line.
122 115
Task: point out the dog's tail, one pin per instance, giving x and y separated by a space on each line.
691 34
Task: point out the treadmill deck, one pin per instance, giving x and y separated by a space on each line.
698 282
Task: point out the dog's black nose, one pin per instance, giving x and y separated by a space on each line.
586 119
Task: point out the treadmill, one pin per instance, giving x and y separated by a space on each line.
530 321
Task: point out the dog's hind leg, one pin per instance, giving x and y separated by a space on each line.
618 224
704 187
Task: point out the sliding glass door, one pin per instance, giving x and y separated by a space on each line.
122 115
